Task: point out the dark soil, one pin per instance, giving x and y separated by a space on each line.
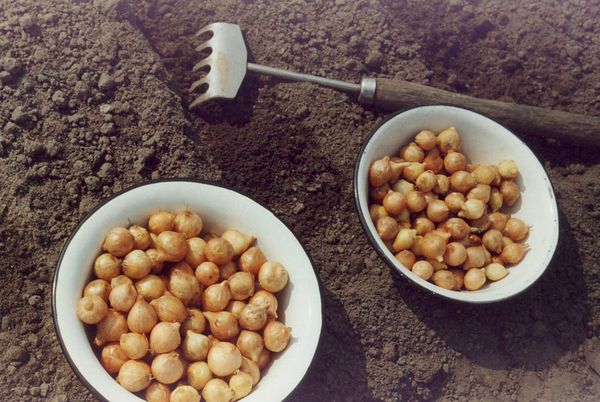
93 99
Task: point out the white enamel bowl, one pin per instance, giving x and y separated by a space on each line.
483 141
220 208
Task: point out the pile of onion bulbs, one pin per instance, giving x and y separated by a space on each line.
181 314
445 218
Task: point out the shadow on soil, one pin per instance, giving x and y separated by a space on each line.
339 369
531 331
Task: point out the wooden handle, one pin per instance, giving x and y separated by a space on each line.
394 95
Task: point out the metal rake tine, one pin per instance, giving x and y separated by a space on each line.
204 30
203 46
199 100
198 83
202 63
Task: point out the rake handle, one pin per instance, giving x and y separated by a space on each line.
395 94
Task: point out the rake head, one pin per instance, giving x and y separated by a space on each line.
225 65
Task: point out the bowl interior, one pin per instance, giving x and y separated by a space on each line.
483 141
220 209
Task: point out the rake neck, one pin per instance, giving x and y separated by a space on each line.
343 86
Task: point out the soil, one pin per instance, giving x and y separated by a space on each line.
93 99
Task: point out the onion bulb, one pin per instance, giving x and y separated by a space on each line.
167 368
161 221
157 392
406 258
91 309
266 299
118 242
472 209
219 251
437 211
172 246
376 211
454 201
413 171
449 140
195 251
495 202
157 264
248 366
481 224
416 248
137 264
433 246
151 287
516 229
480 192
415 201
442 184
444 279
264 359
241 384
135 346
462 181
510 192
227 270
426 181
474 279
404 240
224 358
216 297
207 273
412 153
98 287
250 344
112 358
251 260
422 269
165 337
508 169
380 172
110 329
141 317
397 164
455 254
134 376
241 285
198 374
492 241
238 240
437 265
484 174
122 297
183 285
514 253
107 266
475 257
394 202
387 228
141 237
169 308
457 228
377 194
235 307
495 272
195 322
498 220
223 325
195 346
185 393
272 276
403 186
253 317
188 223
506 241
276 336
426 139
217 390
459 277
423 225
455 161
433 161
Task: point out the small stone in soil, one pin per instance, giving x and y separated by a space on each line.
59 98
16 354
19 115
5 77
106 82
12 65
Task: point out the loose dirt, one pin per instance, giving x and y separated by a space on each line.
93 99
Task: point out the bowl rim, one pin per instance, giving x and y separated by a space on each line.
105 201
382 255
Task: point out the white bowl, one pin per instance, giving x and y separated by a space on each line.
220 208
484 141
